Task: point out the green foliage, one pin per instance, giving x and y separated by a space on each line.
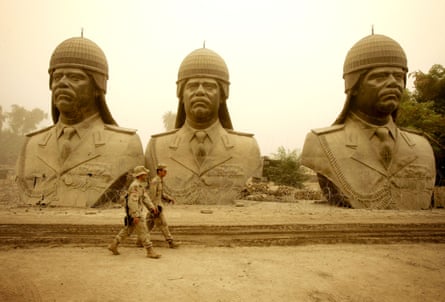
422 116
21 121
284 168
2 118
431 87
10 145
18 121
424 109
169 119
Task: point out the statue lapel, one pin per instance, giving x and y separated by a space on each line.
404 152
86 150
48 150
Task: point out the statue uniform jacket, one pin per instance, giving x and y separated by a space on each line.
345 156
102 156
232 158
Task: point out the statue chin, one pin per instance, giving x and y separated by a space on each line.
387 107
202 116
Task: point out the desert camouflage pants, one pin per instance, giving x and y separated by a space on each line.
141 231
160 222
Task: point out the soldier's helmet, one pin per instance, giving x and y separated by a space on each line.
161 166
140 170
82 53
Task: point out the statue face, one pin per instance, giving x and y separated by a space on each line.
201 100
73 94
380 92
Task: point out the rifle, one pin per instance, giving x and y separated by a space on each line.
159 211
128 220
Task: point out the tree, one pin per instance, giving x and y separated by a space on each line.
421 116
18 121
2 118
21 121
284 168
431 87
169 119
424 109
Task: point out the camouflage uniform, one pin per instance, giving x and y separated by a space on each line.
156 195
137 199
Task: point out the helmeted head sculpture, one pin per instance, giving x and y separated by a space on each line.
83 159
208 161
364 160
204 63
82 53
370 52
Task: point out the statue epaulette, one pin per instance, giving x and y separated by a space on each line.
120 129
239 133
32 133
414 131
165 133
328 129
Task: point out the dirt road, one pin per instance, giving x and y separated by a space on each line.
246 252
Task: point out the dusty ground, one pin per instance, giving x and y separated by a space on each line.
319 272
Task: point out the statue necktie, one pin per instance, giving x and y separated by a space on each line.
66 143
200 150
385 146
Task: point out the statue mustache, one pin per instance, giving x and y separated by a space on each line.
59 92
394 91
200 100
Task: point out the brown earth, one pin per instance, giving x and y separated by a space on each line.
249 251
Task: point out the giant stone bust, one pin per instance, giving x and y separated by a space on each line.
83 158
364 160
209 162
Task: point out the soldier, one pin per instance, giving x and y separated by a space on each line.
158 196
364 160
136 200
209 161
84 157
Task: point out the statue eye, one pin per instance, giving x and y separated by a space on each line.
75 77
57 77
209 86
192 86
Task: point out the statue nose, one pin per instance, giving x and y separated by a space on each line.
200 89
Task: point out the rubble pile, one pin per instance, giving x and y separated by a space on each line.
262 191
9 193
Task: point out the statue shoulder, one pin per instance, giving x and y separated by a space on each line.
119 129
239 133
165 133
326 130
39 131
413 136
412 131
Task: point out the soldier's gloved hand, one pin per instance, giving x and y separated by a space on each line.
135 220
155 211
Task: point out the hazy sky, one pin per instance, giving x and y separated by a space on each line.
285 58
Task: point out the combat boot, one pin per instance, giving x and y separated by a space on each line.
152 254
139 243
172 244
113 247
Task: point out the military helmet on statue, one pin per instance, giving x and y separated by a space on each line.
79 52
82 53
201 63
370 52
